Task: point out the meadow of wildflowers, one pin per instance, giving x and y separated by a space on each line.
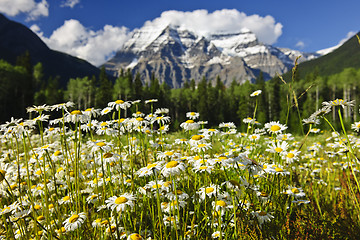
96 174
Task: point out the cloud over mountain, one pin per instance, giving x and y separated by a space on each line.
98 46
94 46
225 20
32 8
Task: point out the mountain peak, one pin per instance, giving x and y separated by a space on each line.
175 54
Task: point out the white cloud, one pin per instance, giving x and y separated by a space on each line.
226 20
300 44
70 3
94 46
30 7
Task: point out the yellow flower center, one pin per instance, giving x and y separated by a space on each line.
295 190
76 112
105 222
172 164
203 167
169 153
40 218
73 218
37 207
66 198
57 153
190 121
275 128
209 190
135 236
156 186
197 137
221 203
151 165
278 149
192 113
290 155
119 101
139 119
202 145
100 144
279 169
121 200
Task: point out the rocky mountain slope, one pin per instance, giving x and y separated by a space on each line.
176 55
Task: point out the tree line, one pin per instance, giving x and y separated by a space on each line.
22 85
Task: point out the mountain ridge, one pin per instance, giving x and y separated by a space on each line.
175 55
16 39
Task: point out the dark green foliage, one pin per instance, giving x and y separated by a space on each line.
346 56
104 90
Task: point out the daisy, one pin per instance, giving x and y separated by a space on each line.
275 127
262 216
134 236
315 130
209 132
338 102
150 169
249 120
173 168
161 111
120 203
171 221
62 106
119 104
203 168
278 147
201 147
76 116
92 112
256 93
295 192
151 101
65 200
356 126
180 195
190 125
74 221
227 125
291 156
210 191
216 235
192 115
162 120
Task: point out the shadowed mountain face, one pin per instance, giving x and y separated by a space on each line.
16 39
176 55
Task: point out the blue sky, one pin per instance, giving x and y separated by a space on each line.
91 28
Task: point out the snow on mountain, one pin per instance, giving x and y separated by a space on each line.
175 54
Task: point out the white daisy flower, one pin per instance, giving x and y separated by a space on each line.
173 168
256 93
275 127
121 203
74 221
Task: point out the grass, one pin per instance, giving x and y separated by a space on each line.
81 177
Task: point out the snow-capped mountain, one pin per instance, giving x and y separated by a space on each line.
175 55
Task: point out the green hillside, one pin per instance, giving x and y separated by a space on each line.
346 56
